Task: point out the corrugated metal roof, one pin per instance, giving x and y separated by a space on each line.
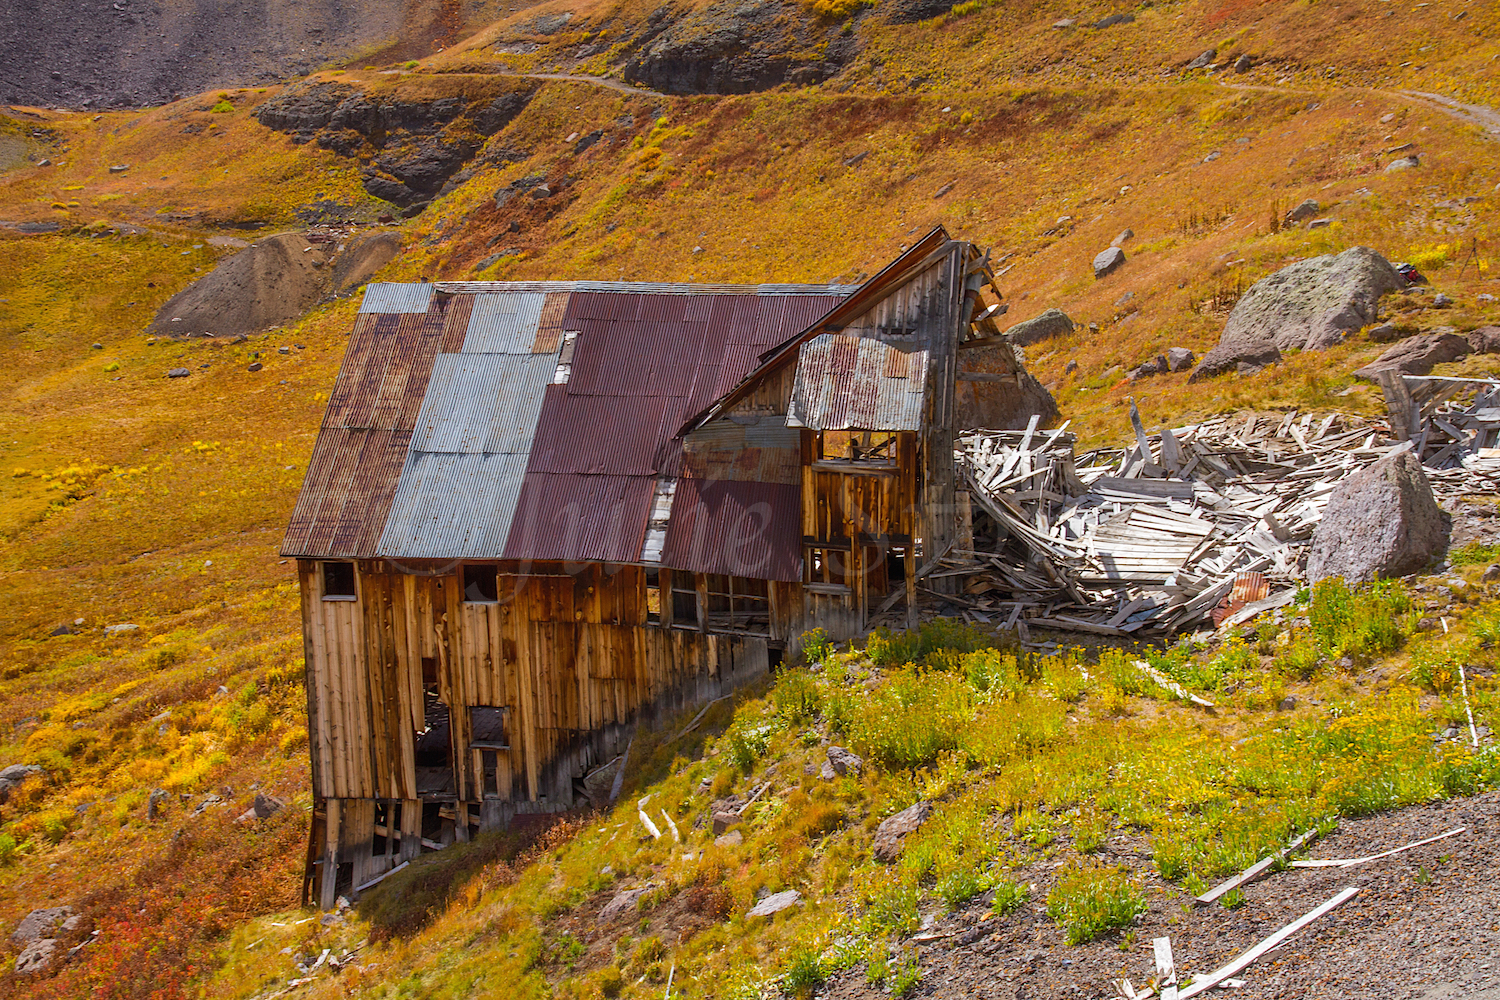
736 528
637 288
451 506
766 451
504 324
573 518
842 382
346 493
483 403
389 297
491 456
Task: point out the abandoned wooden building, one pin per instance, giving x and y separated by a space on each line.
540 512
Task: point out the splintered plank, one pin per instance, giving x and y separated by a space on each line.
1250 957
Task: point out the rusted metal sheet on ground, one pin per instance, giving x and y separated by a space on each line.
736 528
844 382
580 518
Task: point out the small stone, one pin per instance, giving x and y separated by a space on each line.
1404 163
943 190
1386 119
119 168
1244 63
1180 359
623 903
1114 19
38 956
541 191
843 762
178 373
1203 59
1441 301
283 350
1319 223
120 628
1287 704
1066 22
697 249
1070 367
1385 333
724 819
98 347
731 839
775 903
1125 234
1303 210
1492 573
892 832
1108 261
254 366
39 924
156 804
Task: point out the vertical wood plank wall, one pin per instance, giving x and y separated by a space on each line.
570 658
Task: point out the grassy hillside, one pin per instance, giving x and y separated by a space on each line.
129 498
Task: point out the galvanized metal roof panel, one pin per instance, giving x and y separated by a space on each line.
504 323
449 506
842 383
396 297
483 403
736 528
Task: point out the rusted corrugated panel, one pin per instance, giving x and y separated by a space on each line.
346 493
601 435
407 371
450 506
483 403
574 518
766 451
362 356
455 321
396 297
504 323
736 528
550 328
841 383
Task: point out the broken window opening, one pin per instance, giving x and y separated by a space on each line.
481 585
684 600
857 446
653 597
434 750
487 729
338 581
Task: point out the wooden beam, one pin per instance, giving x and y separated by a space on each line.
328 882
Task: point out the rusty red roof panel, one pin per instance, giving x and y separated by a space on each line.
601 435
346 494
736 528
574 518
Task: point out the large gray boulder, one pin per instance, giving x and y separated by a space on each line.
13 775
1310 305
1107 262
38 924
1052 323
1416 355
1380 522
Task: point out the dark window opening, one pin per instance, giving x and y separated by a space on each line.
384 834
653 596
895 566
490 779
487 728
434 751
338 581
684 600
480 585
858 446
430 677
774 656
826 566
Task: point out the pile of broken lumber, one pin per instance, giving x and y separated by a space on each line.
1207 521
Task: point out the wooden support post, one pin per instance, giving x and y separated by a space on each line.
411 829
327 895
664 594
1398 402
701 581
965 521
911 586
461 822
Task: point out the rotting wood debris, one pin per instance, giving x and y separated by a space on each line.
1207 522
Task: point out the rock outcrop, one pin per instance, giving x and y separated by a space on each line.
410 149
1380 522
13 775
1309 305
1416 355
738 48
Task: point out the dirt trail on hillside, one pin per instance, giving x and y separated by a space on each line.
1474 114
1425 924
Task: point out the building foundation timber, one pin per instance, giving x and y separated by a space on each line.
570 661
